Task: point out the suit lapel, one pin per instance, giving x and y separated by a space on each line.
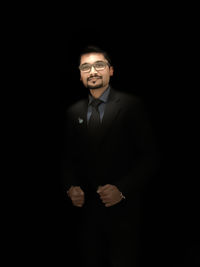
82 116
111 112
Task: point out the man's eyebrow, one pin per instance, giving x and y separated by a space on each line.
86 63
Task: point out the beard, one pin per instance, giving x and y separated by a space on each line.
93 87
95 84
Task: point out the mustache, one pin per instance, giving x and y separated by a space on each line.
94 76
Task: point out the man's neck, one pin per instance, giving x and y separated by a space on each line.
96 93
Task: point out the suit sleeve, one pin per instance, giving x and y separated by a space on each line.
146 164
69 159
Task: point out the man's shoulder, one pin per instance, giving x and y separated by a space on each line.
77 106
127 95
128 99
131 104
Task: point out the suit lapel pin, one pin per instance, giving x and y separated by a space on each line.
80 120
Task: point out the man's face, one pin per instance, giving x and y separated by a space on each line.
95 79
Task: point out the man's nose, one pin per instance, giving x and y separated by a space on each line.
93 70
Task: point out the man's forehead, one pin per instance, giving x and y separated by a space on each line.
91 57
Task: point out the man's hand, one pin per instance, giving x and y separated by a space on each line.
109 194
77 196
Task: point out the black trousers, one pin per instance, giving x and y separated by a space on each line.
108 237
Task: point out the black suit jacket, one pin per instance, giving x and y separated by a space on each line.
122 153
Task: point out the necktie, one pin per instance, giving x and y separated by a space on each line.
94 122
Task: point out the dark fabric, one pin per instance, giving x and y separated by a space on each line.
107 239
101 107
123 153
94 122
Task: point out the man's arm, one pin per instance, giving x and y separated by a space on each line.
146 164
69 159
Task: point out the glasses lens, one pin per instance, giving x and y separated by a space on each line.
85 67
100 65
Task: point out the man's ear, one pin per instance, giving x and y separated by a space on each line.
111 70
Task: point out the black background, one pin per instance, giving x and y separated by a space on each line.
154 57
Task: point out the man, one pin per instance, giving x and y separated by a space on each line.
110 155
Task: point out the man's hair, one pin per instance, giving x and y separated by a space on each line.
95 49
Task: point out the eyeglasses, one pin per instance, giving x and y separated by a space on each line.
99 65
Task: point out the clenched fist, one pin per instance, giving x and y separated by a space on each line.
77 196
109 195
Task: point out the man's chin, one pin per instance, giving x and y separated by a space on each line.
94 87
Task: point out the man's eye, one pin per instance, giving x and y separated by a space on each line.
99 65
85 67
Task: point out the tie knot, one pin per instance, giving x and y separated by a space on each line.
96 102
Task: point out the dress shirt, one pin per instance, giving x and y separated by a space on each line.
101 107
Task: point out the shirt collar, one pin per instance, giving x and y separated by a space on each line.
103 97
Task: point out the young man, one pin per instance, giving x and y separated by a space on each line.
110 155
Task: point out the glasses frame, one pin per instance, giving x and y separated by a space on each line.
93 65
